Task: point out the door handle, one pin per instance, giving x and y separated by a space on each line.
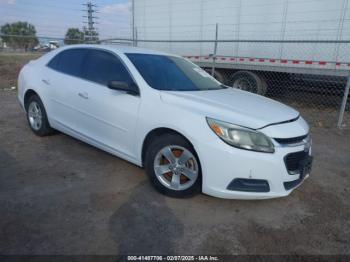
46 81
84 95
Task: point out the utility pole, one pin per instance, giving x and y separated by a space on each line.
133 21
90 32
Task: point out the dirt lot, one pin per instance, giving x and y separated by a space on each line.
10 65
61 196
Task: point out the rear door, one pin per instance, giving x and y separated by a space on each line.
108 116
64 84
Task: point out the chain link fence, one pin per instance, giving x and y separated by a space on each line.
317 97
310 76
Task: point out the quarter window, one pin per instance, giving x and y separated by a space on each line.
54 62
102 67
69 61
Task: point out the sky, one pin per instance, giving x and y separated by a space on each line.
52 18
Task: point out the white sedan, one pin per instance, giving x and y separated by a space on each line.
161 112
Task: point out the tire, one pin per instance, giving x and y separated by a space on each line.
173 183
37 117
263 86
249 81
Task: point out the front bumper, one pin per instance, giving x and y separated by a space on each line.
222 164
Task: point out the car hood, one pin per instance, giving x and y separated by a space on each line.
233 106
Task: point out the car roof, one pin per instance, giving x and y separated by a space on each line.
117 49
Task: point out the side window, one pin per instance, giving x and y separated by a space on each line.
102 67
69 61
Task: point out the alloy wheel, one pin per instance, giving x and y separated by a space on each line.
35 115
176 167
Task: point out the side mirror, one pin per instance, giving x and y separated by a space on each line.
124 86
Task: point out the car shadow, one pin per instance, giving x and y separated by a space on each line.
144 224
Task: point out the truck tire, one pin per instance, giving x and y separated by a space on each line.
249 81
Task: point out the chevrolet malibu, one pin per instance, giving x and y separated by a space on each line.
161 112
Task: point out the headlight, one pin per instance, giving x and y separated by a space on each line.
241 137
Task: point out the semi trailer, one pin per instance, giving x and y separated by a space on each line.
250 42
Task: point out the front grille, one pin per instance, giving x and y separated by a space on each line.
292 140
294 160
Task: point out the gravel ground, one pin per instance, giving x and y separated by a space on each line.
61 196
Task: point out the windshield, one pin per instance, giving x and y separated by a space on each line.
172 73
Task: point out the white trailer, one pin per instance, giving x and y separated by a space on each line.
280 36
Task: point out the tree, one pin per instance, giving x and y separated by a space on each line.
74 36
19 35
